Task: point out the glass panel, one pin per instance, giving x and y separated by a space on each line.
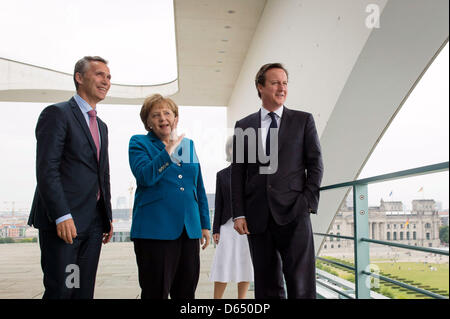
411 211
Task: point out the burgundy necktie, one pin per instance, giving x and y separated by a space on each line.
93 127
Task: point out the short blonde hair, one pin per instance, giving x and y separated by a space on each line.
151 102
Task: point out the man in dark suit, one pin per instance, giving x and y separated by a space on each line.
72 202
272 203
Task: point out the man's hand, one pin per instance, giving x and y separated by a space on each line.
205 238
66 230
107 236
216 238
240 225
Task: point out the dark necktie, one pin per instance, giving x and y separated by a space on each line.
273 124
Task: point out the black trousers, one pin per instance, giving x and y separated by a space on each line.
70 269
288 250
168 267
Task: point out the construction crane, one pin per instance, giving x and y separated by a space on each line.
13 203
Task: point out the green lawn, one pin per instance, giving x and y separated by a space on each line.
417 274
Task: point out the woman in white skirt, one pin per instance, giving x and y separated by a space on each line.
232 261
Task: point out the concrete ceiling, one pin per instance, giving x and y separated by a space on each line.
213 37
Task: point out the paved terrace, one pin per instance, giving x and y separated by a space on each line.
21 274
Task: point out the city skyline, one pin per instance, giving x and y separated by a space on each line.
5 210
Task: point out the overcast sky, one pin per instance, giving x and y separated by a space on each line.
418 136
109 29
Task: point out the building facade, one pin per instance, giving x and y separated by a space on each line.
389 222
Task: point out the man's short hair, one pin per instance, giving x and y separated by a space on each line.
82 65
261 75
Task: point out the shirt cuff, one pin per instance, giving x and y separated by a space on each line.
239 217
63 218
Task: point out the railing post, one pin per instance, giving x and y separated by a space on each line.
361 230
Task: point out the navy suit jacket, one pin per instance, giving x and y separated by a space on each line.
170 194
294 188
222 209
67 171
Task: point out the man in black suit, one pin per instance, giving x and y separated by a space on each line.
72 202
272 203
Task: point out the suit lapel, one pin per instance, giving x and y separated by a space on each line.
284 127
256 125
155 140
103 139
82 121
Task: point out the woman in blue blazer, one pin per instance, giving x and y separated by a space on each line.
170 212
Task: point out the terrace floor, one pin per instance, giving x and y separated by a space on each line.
21 274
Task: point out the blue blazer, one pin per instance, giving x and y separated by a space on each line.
170 194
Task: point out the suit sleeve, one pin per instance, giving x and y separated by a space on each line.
314 165
51 135
218 206
201 195
147 170
238 173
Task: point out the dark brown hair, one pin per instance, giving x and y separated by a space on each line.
261 75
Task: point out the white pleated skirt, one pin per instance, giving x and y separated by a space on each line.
232 261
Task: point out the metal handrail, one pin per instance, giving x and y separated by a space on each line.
429 169
423 170
335 236
422 249
335 290
336 263
388 243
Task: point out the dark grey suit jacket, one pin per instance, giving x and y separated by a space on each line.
294 188
68 173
